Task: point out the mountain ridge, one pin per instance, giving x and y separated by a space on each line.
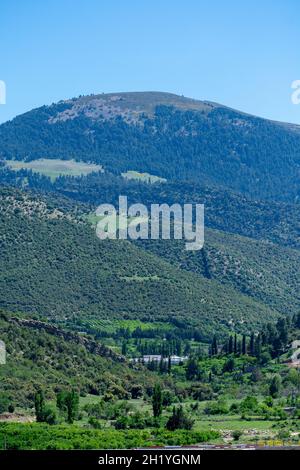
166 135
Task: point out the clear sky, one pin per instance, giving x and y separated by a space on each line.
241 53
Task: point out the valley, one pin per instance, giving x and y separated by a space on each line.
120 343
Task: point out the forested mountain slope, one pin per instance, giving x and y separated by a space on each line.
57 268
259 269
224 209
166 135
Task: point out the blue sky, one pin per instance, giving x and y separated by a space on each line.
244 54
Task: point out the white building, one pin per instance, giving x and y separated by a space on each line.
175 360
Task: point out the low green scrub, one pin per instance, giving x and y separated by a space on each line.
36 436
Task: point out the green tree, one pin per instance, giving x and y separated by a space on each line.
39 404
244 345
157 400
179 420
68 403
124 348
229 365
214 346
237 434
252 344
72 403
192 369
230 345
235 344
275 386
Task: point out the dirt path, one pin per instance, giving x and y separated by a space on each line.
16 418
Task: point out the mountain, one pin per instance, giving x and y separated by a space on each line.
53 264
206 153
166 135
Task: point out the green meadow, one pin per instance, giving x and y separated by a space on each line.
53 168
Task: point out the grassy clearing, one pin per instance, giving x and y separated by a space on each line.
232 423
53 168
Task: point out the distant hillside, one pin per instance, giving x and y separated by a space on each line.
59 269
169 136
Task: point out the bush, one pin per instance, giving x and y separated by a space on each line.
201 392
236 434
179 420
275 386
94 423
40 436
249 404
11 408
167 398
283 434
4 404
137 420
229 365
49 415
136 391
234 408
216 408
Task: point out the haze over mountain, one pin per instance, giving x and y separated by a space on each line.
170 136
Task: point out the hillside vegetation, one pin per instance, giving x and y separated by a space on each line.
38 359
165 135
224 210
57 268
259 269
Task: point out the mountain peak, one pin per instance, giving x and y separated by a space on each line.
128 105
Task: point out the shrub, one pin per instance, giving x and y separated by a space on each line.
216 408
11 408
167 398
237 434
49 415
179 420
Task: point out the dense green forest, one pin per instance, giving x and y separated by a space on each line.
210 145
246 264
57 268
224 210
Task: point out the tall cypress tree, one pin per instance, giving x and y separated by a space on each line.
157 401
214 346
230 345
235 344
39 404
252 346
244 345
